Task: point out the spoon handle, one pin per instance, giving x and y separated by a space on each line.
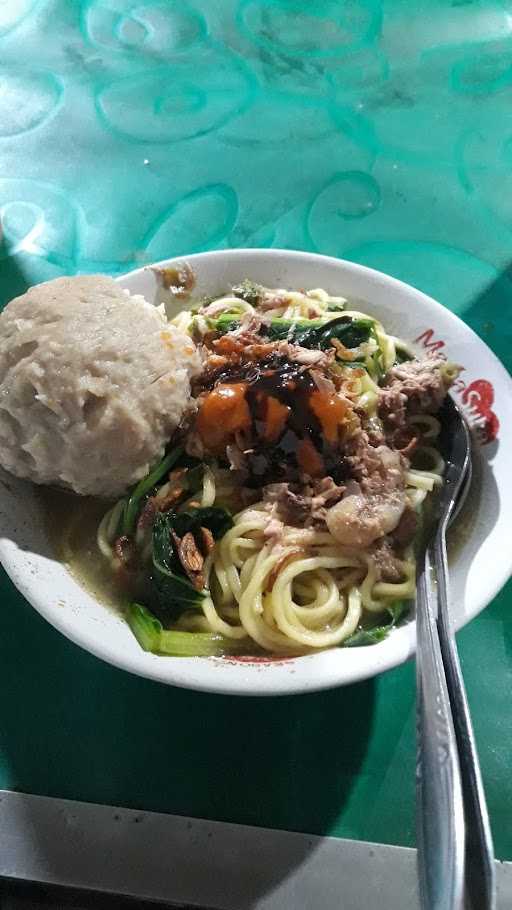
480 871
440 818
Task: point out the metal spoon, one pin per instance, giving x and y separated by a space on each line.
455 852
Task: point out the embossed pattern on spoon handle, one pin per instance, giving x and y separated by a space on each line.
480 869
440 820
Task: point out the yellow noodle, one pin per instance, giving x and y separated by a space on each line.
297 591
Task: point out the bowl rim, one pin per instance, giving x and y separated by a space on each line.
248 680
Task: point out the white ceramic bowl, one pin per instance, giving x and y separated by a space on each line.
480 565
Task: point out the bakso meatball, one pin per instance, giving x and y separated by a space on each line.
93 382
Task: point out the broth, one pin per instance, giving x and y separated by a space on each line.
72 523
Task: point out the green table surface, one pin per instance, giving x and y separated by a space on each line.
132 130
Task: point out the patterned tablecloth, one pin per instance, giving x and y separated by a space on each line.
132 130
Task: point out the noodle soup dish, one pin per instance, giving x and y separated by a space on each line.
216 469
283 515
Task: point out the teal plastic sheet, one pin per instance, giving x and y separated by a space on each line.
132 131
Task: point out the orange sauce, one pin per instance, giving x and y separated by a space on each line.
223 412
330 410
276 415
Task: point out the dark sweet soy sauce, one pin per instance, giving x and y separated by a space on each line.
292 385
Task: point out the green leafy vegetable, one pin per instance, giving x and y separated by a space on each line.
249 291
218 521
309 333
151 635
146 627
350 332
402 356
368 636
289 329
378 633
398 609
145 486
171 590
197 644
333 307
226 322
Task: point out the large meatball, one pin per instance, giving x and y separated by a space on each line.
93 382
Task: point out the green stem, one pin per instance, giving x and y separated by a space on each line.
196 644
144 486
151 635
146 627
